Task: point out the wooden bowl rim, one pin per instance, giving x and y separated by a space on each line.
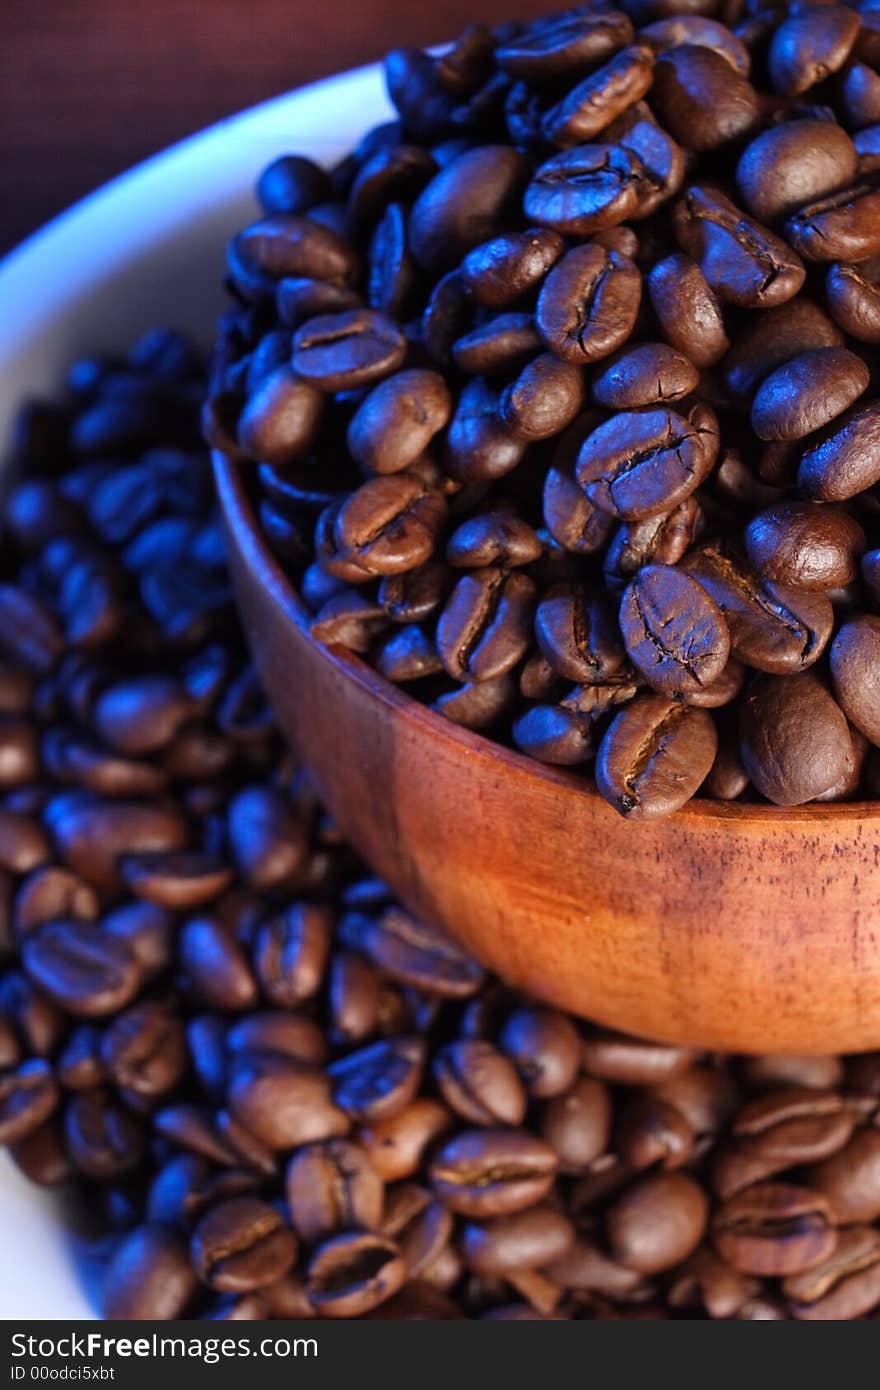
237 507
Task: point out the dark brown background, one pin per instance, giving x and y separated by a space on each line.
88 87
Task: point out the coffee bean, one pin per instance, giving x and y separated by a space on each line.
501 271
379 1080
343 352
333 1187
389 525
852 671
484 628
398 419
283 244
743 262
654 756
651 1132
242 1244
216 969
806 544
84 971
658 1222
649 374
149 1276
28 1096
104 1140
544 1047
493 538
352 1273
465 204
794 163
854 299
846 1285
638 465
844 463
597 100
701 98
688 310
774 1229
588 304
773 627
808 46
577 634
839 227
144 1050
794 740
521 1241
282 417
266 837
480 1084
556 45
696 29
807 393
492 1172
284 1102
545 398
673 632
577 1124
850 1178
412 952
584 190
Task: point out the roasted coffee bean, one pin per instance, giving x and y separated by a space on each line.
807 393
743 262
588 304
852 659
522 1241
242 1244
344 352
788 1128
412 952
266 837
80 968
844 463
701 98
28 1096
469 201
29 633
216 970
103 1139
846 1285
480 445
389 525
484 1173
282 417
658 1222
284 1102
545 398
496 346
806 544
651 1132
773 627
283 244
144 1050
850 1178
92 834
673 632
643 464
501 271
696 29
809 45
396 1145
600 97
291 952
577 1124
774 1229
480 1083
840 227
292 184
484 629
491 538
584 190
794 740
333 1187
379 1080
398 419
774 337
556 46
577 634
149 1276
649 374
393 174
688 310
654 756
177 880
545 1049
853 299
353 1273
794 163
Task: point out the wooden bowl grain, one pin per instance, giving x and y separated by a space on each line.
738 927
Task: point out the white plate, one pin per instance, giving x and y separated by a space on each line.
146 249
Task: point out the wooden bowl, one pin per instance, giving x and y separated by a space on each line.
738 927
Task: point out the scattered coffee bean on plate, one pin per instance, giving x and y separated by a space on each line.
576 356
279 1095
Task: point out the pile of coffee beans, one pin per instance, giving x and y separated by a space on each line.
279 1093
558 394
